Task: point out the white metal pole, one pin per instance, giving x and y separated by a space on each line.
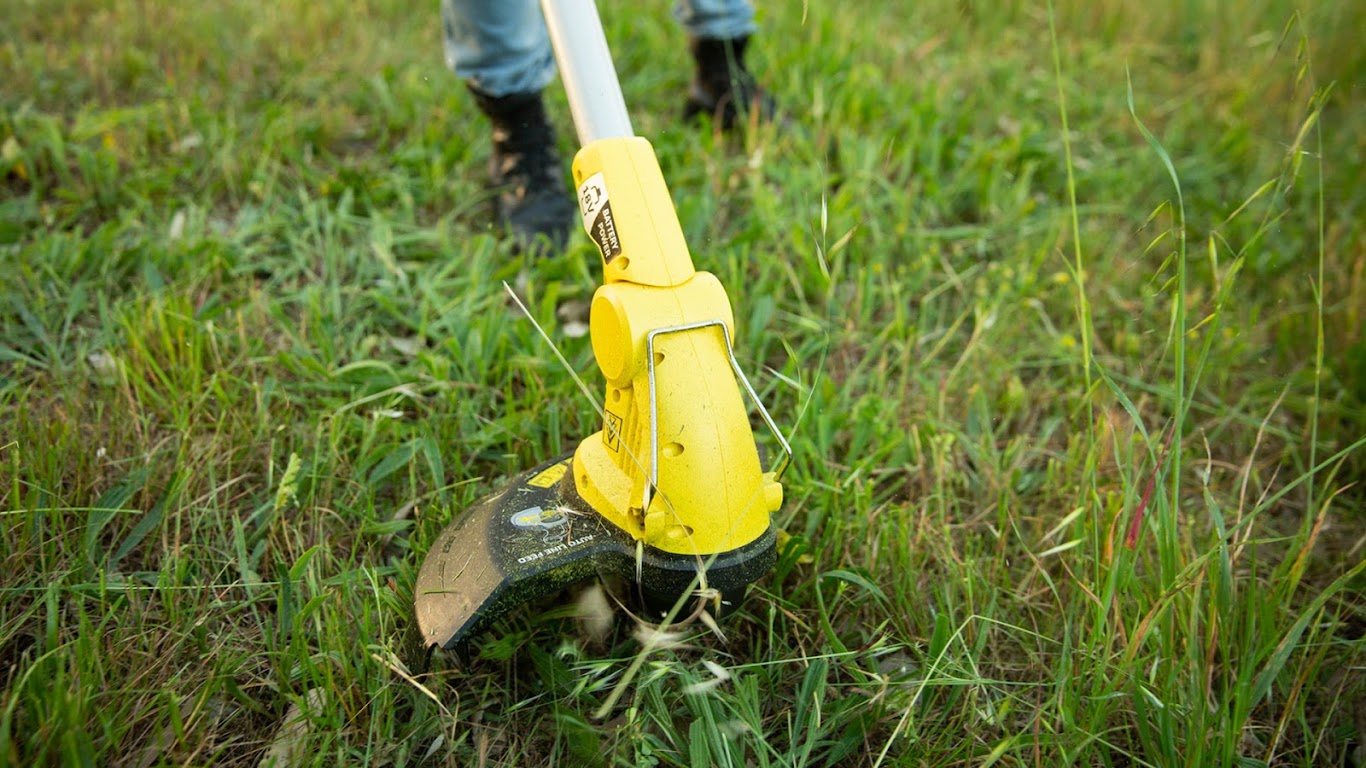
590 80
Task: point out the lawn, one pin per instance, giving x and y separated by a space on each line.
1061 306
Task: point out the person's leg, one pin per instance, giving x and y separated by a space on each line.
718 33
501 49
498 47
716 19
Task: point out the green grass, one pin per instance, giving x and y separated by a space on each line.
1078 413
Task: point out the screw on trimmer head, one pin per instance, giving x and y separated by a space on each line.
670 493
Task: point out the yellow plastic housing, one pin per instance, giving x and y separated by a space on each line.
653 249
712 494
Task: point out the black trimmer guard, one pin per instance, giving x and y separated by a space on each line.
537 536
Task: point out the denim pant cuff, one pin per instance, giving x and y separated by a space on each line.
502 46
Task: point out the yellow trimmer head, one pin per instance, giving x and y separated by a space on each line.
670 493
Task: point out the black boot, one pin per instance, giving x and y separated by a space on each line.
722 87
533 205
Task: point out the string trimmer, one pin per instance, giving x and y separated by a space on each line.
670 493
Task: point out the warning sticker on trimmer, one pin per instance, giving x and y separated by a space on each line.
597 216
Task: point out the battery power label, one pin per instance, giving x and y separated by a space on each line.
597 216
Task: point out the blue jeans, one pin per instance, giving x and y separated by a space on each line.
502 47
